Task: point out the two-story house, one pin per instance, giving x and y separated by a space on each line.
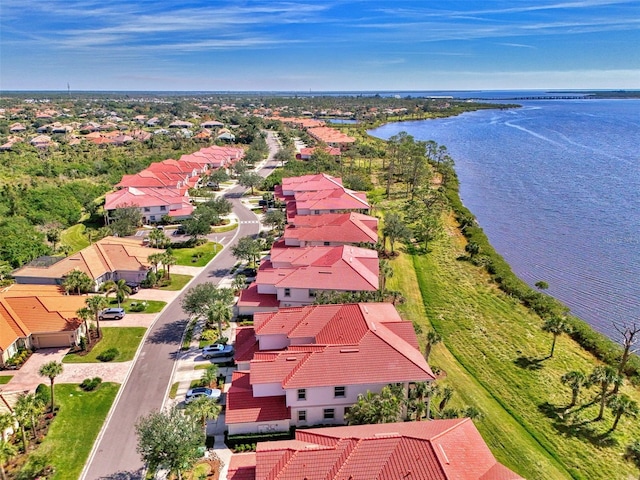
435 450
306 366
153 202
294 275
331 229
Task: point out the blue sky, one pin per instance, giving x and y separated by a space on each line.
319 45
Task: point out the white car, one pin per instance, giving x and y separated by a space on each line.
212 393
217 350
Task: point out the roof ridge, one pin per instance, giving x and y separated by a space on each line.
381 327
15 317
295 369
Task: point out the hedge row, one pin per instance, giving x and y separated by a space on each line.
544 305
234 440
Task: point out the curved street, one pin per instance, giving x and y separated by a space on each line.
114 454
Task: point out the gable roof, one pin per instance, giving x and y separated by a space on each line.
333 227
354 339
109 254
435 450
343 267
146 197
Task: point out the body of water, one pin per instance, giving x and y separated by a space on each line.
555 185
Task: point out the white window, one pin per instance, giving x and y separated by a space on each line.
302 415
339 392
302 394
287 292
329 413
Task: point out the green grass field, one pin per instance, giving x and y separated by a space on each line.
75 428
496 352
153 306
4 379
75 237
224 228
177 282
197 256
125 339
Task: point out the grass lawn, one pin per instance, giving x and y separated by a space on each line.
76 426
496 352
224 228
5 379
125 339
153 306
177 282
75 237
508 440
197 256
174 390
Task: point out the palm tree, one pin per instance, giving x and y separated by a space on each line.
446 394
168 259
7 452
157 238
603 376
386 272
85 314
78 281
416 401
622 405
555 325
210 375
155 260
204 409
432 390
119 288
51 370
575 380
219 312
95 304
29 408
433 338
239 282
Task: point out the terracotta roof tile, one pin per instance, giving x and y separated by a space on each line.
242 407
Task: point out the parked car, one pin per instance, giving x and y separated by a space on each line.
135 287
179 231
217 350
212 393
112 314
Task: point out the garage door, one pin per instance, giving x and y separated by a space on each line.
51 340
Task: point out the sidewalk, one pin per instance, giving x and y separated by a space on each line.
185 372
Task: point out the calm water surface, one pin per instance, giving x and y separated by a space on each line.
555 185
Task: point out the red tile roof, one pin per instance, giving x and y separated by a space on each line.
249 297
330 135
342 268
246 344
338 345
242 467
242 407
146 197
333 227
435 450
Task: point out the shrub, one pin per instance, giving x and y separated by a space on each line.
36 466
138 306
89 384
43 393
208 335
108 354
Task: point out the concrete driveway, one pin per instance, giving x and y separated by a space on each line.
27 378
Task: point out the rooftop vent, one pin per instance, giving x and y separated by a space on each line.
446 459
349 350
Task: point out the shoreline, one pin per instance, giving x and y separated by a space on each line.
598 344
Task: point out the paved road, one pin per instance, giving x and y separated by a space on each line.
114 456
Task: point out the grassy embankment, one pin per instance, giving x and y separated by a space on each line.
197 256
495 358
